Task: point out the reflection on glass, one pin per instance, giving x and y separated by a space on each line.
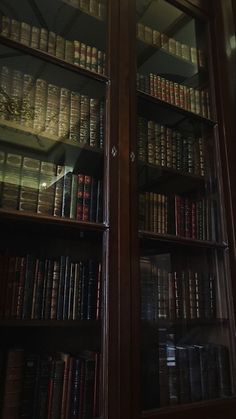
185 336
184 332
75 32
51 136
171 57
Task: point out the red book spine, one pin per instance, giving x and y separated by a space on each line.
80 197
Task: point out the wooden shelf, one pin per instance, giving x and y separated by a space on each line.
87 324
19 135
168 323
151 59
169 180
53 60
217 409
169 114
149 236
12 218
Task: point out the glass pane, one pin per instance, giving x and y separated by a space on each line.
71 30
51 139
185 323
52 142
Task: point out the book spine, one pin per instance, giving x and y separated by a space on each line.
46 195
80 196
15 30
64 114
52 43
84 120
11 181
94 123
58 197
16 95
60 47
5 26
5 92
52 110
28 286
29 185
43 39
66 199
35 36
40 105
74 116
86 198
28 97
25 33
12 388
69 51
74 194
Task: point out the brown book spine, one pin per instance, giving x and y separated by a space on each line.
40 104
74 116
25 33
52 110
64 114
46 193
5 26
82 58
35 36
52 43
27 111
16 95
94 122
13 385
60 47
29 184
57 210
43 39
5 92
80 200
88 57
84 120
94 59
11 179
15 30
69 51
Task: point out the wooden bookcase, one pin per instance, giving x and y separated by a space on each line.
128 281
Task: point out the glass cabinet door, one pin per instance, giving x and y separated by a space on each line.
186 353
53 88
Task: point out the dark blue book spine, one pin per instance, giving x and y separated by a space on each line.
75 389
66 198
61 288
28 286
84 290
66 289
92 290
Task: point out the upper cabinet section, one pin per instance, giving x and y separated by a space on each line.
172 57
75 32
53 88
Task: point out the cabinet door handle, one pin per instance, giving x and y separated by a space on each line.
132 156
114 151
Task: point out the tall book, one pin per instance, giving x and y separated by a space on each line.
46 195
13 384
11 181
29 184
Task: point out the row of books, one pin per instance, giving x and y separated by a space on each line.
184 97
51 386
176 215
176 295
166 147
190 373
161 40
39 288
96 8
72 51
50 109
41 187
